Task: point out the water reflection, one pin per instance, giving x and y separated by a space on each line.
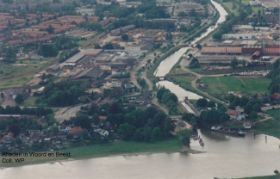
222 157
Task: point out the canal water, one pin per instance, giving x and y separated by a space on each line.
167 64
221 156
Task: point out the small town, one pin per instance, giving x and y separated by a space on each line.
95 78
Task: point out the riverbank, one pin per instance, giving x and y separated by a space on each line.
123 147
100 150
272 126
168 64
239 152
263 177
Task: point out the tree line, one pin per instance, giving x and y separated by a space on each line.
232 19
169 99
129 123
25 111
274 75
63 93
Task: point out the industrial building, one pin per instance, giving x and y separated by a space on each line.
249 50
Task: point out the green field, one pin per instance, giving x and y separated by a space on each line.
230 6
14 75
30 101
271 127
218 86
182 80
254 8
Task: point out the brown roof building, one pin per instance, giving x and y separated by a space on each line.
222 50
273 50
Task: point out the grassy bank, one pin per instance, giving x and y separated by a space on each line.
262 177
271 127
231 7
218 86
150 71
204 71
183 80
124 148
100 150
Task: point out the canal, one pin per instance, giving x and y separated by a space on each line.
221 156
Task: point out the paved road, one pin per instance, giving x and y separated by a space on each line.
133 77
184 64
142 64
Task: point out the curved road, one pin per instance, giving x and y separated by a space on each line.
198 77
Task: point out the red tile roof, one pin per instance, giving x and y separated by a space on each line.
276 96
272 51
76 130
222 50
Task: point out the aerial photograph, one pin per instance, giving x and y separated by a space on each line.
139 89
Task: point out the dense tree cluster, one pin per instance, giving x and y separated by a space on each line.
203 103
125 37
185 136
129 123
152 11
251 105
60 43
17 126
234 63
145 125
92 26
232 19
209 117
26 121
212 117
237 101
62 93
141 17
26 111
140 22
48 50
194 63
113 10
64 42
108 46
259 18
191 119
9 54
19 98
274 75
64 55
169 99
148 8
225 27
